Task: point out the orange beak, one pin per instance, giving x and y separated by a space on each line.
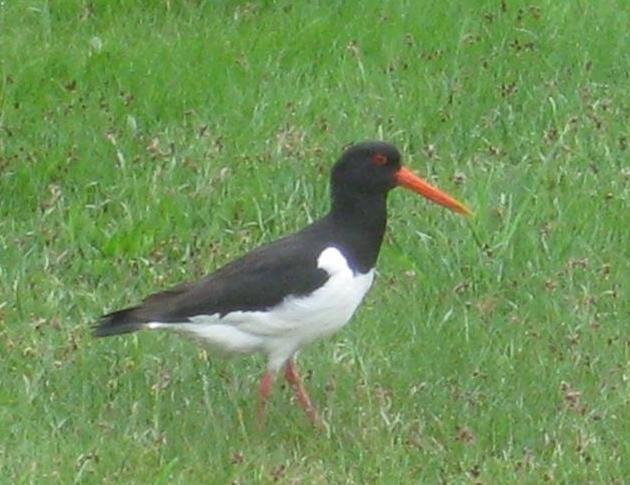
406 178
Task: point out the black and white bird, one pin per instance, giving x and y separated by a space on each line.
286 294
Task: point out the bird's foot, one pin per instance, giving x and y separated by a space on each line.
266 384
293 378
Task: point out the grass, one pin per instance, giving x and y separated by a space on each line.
146 143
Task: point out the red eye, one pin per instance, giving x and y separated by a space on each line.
379 159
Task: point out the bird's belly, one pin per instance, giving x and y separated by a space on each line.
297 319
221 338
305 318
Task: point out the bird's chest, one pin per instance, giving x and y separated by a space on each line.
329 307
303 318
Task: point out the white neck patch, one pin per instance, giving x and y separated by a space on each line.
332 261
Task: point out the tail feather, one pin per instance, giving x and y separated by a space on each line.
119 322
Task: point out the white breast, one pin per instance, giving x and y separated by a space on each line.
283 329
322 312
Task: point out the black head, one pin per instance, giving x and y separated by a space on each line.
372 168
368 167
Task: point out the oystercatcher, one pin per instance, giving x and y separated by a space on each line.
284 295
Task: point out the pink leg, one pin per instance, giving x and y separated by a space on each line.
290 372
264 391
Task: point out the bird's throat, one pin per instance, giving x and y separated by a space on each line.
360 221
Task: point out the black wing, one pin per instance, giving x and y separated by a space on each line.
257 281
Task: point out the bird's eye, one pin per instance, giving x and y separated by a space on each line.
379 159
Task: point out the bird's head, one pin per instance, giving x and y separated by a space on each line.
374 167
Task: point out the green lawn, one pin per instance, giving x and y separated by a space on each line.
143 143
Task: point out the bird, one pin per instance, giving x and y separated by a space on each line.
288 293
